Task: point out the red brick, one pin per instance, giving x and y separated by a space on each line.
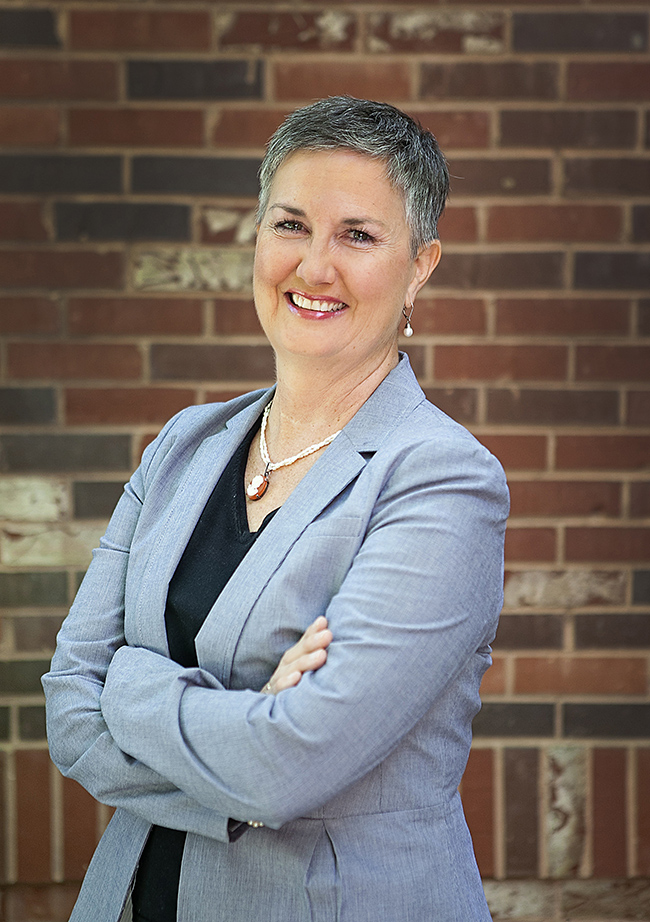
28 315
609 813
477 791
366 79
494 680
603 452
608 80
643 811
60 269
461 403
50 79
493 80
449 315
458 225
521 812
117 30
235 317
530 544
120 406
135 316
53 902
297 31
518 452
136 127
563 316
439 32
563 223
455 129
501 270
502 176
564 497
510 363
3 817
22 221
552 406
638 408
33 815
604 544
572 128
640 500
613 363
79 830
33 127
577 675
246 127
212 362
66 360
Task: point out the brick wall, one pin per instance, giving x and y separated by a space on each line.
131 136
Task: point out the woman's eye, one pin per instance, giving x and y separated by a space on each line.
291 226
360 236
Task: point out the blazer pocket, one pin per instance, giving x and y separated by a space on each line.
335 526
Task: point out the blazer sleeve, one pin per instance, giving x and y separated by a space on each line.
81 744
423 594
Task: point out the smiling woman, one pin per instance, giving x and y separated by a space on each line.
272 665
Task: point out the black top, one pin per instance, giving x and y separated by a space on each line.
219 543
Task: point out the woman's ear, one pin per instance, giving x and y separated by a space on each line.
424 264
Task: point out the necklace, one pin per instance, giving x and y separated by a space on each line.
260 483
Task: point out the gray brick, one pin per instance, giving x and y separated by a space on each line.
22 677
496 719
579 31
24 28
608 721
58 173
607 176
500 177
228 79
499 80
529 632
460 403
27 405
216 363
501 271
594 632
641 587
521 816
4 725
64 452
612 271
121 221
568 128
641 223
96 499
36 634
32 590
31 723
196 175
529 406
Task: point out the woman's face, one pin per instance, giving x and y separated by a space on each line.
332 263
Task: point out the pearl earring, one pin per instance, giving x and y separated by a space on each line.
408 329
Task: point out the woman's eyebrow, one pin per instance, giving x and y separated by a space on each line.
297 211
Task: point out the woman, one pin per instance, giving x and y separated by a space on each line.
340 494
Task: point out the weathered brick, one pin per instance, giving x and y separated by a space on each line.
499 80
564 497
366 79
64 452
521 812
195 175
609 813
461 403
606 721
28 27
631 544
59 173
611 631
22 677
603 452
528 544
142 30
70 360
543 32
96 499
513 363
22 221
606 899
563 316
461 129
37 634
246 127
613 363
235 317
562 223
611 176
641 223
505 176
120 406
228 225
33 590
36 126
121 221
607 81
477 790
211 363
181 269
33 499
61 269
638 408
640 499
31 78
30 545
134 316
566 794
557 407
517 451
500 270
304 31
534 632
173 79
641 587
31 723
642 759
442 30
28 315
27 405
136 127
564 589
33 815
517 719
575 675
519 899
573 128
79 829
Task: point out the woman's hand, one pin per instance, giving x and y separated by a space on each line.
309 654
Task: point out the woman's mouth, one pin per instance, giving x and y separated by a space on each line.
315 306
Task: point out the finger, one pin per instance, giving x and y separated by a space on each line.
307 644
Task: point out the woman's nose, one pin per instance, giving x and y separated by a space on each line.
316 266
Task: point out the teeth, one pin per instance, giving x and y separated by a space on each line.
309 305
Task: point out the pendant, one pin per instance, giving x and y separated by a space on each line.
257 487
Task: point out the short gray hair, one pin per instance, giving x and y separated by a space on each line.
414 163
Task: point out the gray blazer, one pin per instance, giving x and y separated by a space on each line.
396 534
